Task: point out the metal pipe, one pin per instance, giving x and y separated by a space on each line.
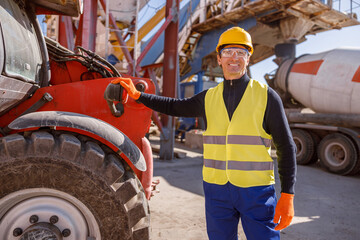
222 7
107 32
347 120
136 37
154 38
170 76
88 38
144 30
118 36
66 33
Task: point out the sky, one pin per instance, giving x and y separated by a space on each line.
321 42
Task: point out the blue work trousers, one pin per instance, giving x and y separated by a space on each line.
226 204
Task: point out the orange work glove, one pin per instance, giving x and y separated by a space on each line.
284 211
129 87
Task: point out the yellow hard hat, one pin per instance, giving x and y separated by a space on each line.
235 35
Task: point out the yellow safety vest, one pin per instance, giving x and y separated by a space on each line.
238 150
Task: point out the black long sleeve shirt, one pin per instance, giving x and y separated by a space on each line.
275 122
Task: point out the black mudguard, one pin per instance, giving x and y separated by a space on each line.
85 123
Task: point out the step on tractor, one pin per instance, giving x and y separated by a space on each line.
74 160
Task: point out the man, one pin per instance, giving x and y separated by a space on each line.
241 116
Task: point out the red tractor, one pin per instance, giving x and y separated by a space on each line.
74 162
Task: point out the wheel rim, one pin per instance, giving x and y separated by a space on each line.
41 210
299 146
336 154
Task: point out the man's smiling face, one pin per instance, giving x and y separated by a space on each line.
233 61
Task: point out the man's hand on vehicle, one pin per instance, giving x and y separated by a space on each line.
129 87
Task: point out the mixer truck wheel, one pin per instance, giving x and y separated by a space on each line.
316 140
62 186
305 146
338 154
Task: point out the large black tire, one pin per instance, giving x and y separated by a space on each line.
75 170
316 139
305 146
338 154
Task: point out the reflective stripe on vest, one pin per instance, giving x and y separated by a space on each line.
238 150
236 165
236 139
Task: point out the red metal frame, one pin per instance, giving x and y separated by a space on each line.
170 56
87 36
66 33
171 52
86 32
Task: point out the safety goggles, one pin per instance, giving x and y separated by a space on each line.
236 52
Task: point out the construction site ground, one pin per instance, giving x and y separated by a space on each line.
326 205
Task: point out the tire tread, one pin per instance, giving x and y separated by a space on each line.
67 148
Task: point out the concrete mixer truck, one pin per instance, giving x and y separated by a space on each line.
321 95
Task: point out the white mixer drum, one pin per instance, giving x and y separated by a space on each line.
326 82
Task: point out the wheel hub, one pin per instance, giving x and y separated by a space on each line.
335 154
298 146
42 231
339 154
38 214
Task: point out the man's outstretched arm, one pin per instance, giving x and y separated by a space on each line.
188 107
